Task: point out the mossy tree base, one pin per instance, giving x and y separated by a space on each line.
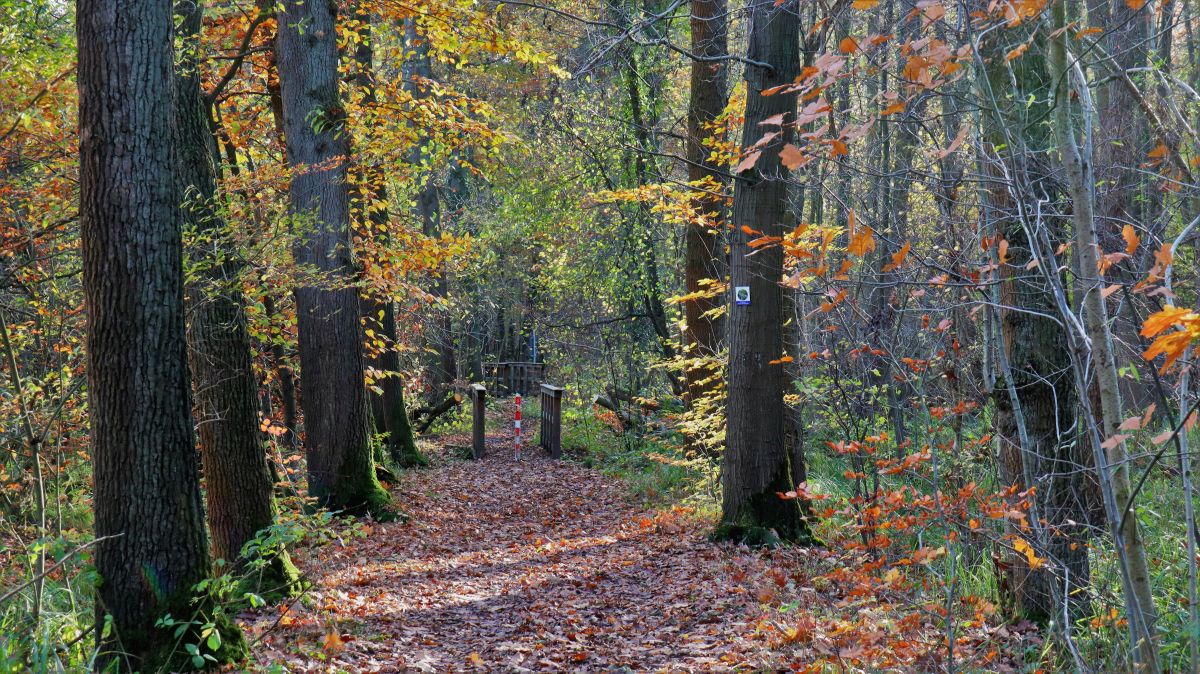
766 519
371 499
275 580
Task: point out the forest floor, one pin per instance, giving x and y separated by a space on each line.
539 565
511 565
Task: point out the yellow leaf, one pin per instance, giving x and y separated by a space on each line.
1024 548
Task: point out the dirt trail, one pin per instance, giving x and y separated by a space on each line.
518 566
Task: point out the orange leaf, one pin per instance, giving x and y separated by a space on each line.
748 162
1131 239
864 4
898 258
785 359
1016 53
1114 441
894 108
1002 249
1161 320
793 157
1130 424
332 643
1148 413
861 242
848 45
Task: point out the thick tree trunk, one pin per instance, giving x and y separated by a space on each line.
236 475
756 465
341 470
1035 398
148 514
703 257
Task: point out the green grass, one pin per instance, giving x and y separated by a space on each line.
654 466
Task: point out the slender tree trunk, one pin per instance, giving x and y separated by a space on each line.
1127 536
236 475
387 407
148 513
443 366
756 466
703 239
341 470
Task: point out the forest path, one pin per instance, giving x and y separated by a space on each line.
532 565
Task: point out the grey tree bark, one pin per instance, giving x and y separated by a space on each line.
341 470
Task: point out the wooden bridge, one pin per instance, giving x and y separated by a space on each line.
511 378
549 419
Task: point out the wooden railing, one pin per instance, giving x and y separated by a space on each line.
513 378
551 420
478 419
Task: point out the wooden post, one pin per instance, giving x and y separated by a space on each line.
478 398
551 420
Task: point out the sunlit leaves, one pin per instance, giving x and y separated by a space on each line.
1170 345
862 241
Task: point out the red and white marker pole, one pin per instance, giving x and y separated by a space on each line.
517 426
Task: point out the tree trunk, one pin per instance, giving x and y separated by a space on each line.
1035 398
341 470
236 476
1114 465
443 366
148 514
756 465
703 239
387 407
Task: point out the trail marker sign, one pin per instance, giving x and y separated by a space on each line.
741 296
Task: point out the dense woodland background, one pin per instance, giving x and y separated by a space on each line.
252 256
